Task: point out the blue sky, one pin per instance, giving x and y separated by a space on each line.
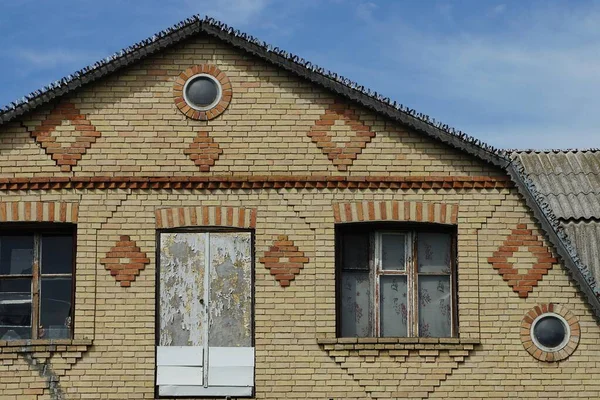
515 74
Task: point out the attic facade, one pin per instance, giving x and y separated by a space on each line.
206 223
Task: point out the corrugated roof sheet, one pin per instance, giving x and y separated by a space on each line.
586 238
569 182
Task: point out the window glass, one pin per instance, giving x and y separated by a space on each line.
16 255
356 313
406 288
394 307
55 308
15 309
434 306
433 252
355 251
57 254
393 252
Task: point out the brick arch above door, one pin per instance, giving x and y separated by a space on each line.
235 217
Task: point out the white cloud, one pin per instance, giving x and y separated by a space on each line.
238 13
50 58
498 9
544 70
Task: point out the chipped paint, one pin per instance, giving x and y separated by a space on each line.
230 290
183 298
181 289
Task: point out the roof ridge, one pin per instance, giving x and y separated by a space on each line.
196 24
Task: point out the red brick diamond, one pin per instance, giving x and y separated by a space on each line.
66 156
283 260
341 154
125 261
522 284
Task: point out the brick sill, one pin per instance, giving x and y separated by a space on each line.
44 345
398 343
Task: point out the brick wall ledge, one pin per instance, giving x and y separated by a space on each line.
44 345
256 182
398 343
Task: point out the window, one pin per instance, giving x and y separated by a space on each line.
205 336
395 283
36 283
202 92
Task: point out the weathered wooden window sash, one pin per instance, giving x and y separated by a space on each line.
36 283
396 283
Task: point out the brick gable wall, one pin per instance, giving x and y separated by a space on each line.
294 158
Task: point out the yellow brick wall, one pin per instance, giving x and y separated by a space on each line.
265 132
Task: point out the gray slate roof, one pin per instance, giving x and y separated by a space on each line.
569 182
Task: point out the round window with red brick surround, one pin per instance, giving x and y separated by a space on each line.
550 332
202 92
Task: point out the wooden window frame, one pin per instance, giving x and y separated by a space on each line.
37 230
411 230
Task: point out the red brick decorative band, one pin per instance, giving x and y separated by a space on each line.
37 211
522 284
255 182
235 217
544 354
188 109
416 211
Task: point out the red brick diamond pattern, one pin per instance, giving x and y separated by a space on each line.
204 151
341 154
522 284
66 156
125 261
284 261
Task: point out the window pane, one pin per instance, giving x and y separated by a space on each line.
15 309
434 306
356 315
230 313
433 254
393 303
57 254
355 252
55 308
182 289
393 248
16 254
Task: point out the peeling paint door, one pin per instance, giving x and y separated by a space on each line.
205 314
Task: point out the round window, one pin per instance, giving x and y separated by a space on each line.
202 92
550 332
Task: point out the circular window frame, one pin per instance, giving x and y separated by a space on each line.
214 102
541 352
216 108
565 340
